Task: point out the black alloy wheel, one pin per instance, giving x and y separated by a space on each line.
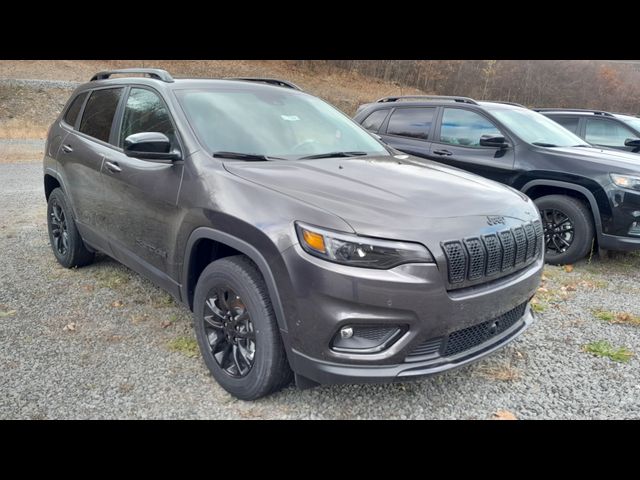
229 331
559 231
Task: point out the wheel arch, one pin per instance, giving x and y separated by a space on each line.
232 245
555 187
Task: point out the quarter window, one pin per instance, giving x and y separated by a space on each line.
146 112
411 122
374 121
607 132
464 128
570 123
74 109
99 112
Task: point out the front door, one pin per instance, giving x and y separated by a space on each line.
608 134
141 195
457 143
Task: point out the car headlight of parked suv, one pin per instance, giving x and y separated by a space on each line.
626 181
357 251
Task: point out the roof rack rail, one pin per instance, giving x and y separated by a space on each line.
585 110
507 103
428 97
271 81
154 73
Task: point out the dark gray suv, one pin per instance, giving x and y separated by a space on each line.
301 243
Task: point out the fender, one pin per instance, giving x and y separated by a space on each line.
247 249
571 186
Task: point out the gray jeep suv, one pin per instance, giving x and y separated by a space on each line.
302 244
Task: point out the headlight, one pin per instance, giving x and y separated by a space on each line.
626 181
357 251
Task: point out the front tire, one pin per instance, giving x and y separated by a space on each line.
237 331
65 240
568 228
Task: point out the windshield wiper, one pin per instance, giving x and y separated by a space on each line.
582 145
333 154
256 157
542 144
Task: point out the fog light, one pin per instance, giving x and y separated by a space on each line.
366 338
635 229
346 332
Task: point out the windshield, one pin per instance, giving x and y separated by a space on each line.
634 122
272 122
535 128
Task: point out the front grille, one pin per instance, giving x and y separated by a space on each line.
503 252
468 338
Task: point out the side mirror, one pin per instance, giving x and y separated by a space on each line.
153 146
632 142
495 141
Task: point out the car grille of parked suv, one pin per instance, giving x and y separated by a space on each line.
493 255
467 338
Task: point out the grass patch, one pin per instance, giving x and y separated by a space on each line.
616 317
185 345
112 279
163 300
537 307
602 348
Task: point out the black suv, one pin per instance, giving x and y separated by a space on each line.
585 194
604 129
301 243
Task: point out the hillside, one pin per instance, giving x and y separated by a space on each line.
28 108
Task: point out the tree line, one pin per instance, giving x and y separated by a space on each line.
534 83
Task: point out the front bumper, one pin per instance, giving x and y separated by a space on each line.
335 373
412 297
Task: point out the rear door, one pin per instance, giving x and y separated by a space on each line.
80 159
409 129
457 143
141 195
608 133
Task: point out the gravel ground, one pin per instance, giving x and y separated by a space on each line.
38 83
100 342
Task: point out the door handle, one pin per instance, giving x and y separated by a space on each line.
67 148
444 153
112 167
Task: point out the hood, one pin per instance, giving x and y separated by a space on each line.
383 195
619 160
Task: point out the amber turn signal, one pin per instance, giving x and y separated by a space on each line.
314 240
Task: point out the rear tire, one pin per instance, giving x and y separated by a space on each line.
566 220
66 242
231 298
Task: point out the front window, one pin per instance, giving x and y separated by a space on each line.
606 132
632 122
146 112
465 128
536 129
272 122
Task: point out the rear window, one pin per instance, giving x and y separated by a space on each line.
411 122
74 109
99 112
374 121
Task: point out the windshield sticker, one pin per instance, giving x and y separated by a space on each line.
290 118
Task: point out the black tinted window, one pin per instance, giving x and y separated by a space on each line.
463 127
74 109
99 112
146 112
570 123
411 122
374 121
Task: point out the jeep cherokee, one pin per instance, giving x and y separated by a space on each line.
588 197
604 129
304 246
